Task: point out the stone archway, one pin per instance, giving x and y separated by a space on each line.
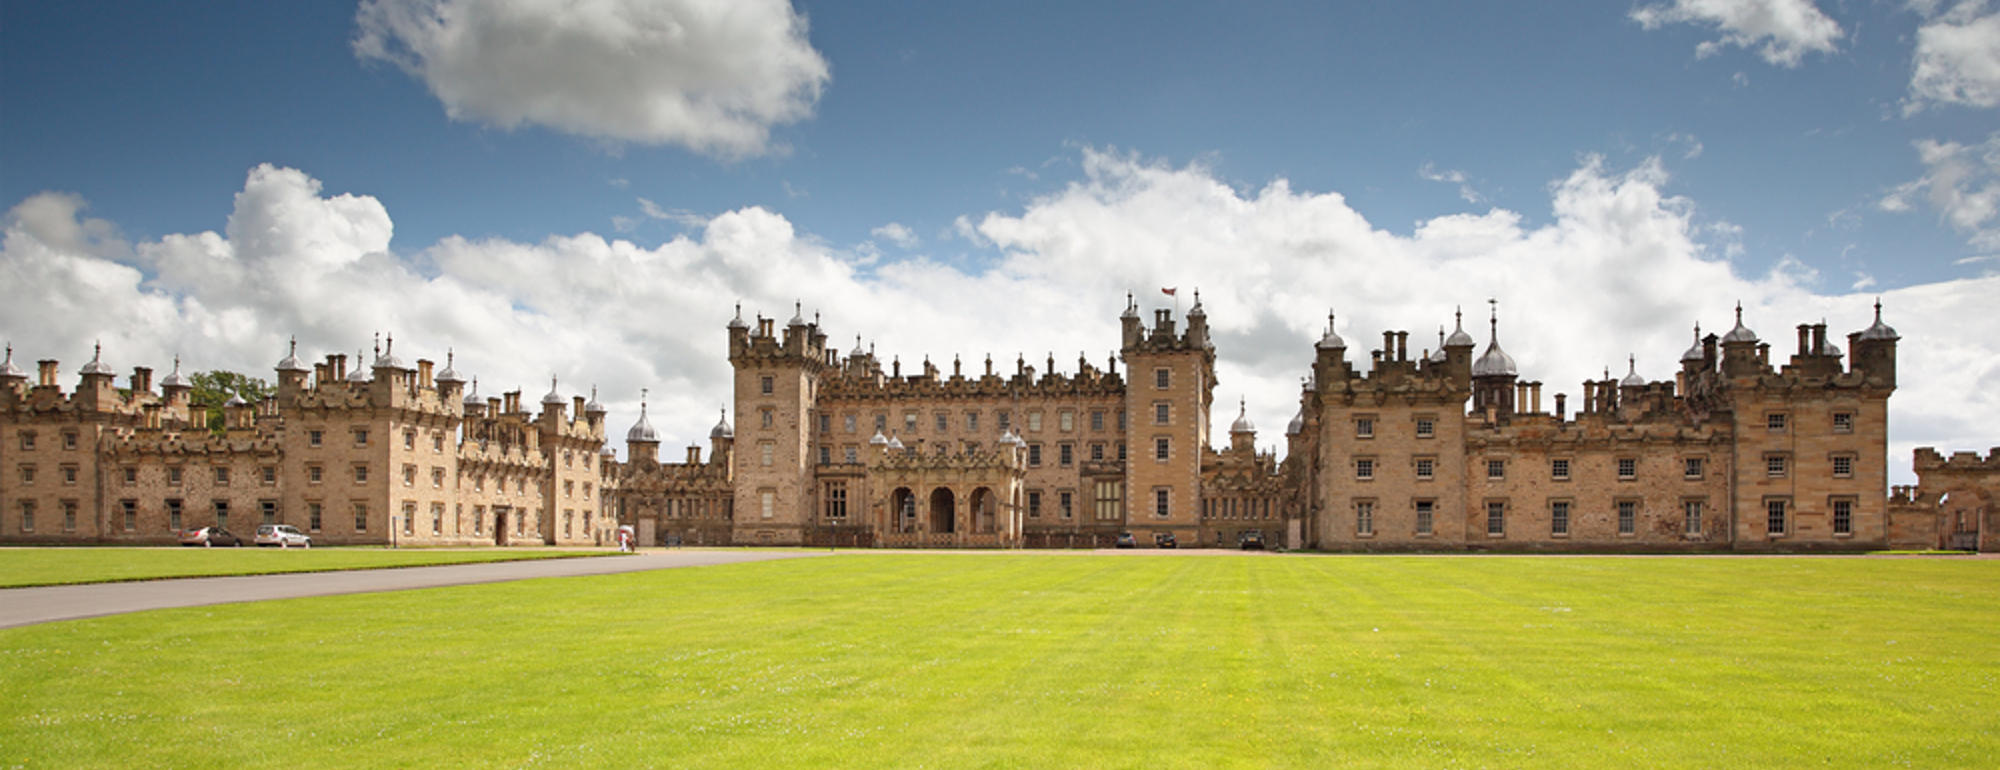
902 510
984 507
944 511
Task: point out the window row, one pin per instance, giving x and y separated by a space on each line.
913 421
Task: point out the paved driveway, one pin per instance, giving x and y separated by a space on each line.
27 606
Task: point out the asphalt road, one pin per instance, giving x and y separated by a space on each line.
27 606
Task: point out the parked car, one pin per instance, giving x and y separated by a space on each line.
1251 541
1165 540
1125 540
209 537
282 536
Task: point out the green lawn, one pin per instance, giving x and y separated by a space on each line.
65 566
1051 660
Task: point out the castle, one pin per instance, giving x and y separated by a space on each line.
1444 451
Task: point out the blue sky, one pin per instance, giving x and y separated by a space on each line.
872 160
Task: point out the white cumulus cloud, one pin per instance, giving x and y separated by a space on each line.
1621 268
1957 59
711 75
897 234
1962 184
1782 31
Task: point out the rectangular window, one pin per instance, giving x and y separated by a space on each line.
1774 517
437 442
1628 468
1364 469
1364 427
1425 511
764 385
174 515
27 515
27 441
1496 470
1162 448
910 422
1065 455
943 422
1162 413
1496 519
1034 421
1426 428
1364 518
437 477
1122 415
360 438
835 498
1035 455
848 454
1096 452
409 475
410 439
1628 517
27 474
1162 502
222 514
1843 422
69 474
1559 469
174 476
1065 504
766 452
1691 517
1694 469
1559 518
437 519
1065 421
409 518
1110 500
1121 451
131 476
1774 466
765 418
130 509
1843 517
270 475
1843 467
314 437
1426 468
221 477
361 517
1005 420
1097 420
847 421
767 502
881 423
1163 378
69 515
1775 422
826 423
972 422
269 509
1035 504
69 439
313 517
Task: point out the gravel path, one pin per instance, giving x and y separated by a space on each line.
27 606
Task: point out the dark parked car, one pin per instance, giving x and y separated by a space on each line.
209 537
1165 540
1251 541
1125 540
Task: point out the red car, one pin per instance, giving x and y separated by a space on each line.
209 537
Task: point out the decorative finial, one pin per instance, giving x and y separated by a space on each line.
392 346
378 346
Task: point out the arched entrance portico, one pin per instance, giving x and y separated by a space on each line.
903 510
984 509
944 511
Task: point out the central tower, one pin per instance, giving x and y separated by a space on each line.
777 382
1167 398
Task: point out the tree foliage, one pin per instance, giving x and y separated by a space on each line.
213 389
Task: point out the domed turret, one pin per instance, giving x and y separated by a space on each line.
1494 362
97 365
553 399
737 322
722 429
8 369
1741 333
642 431
174 380
359 373
895 443
1298 423
1693 354
1632 378
1330 340
1879 330
450 373
1242 424
594 407
291 362
387 357
1458 335
473 403
879 439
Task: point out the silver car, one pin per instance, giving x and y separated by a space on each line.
282 536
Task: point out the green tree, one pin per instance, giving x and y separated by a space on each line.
213 389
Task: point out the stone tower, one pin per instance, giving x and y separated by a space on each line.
777 382
1168 397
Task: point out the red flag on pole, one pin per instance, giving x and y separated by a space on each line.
1170 292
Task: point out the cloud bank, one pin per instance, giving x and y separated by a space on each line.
711 75
1619 269
1782 31
1957 59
